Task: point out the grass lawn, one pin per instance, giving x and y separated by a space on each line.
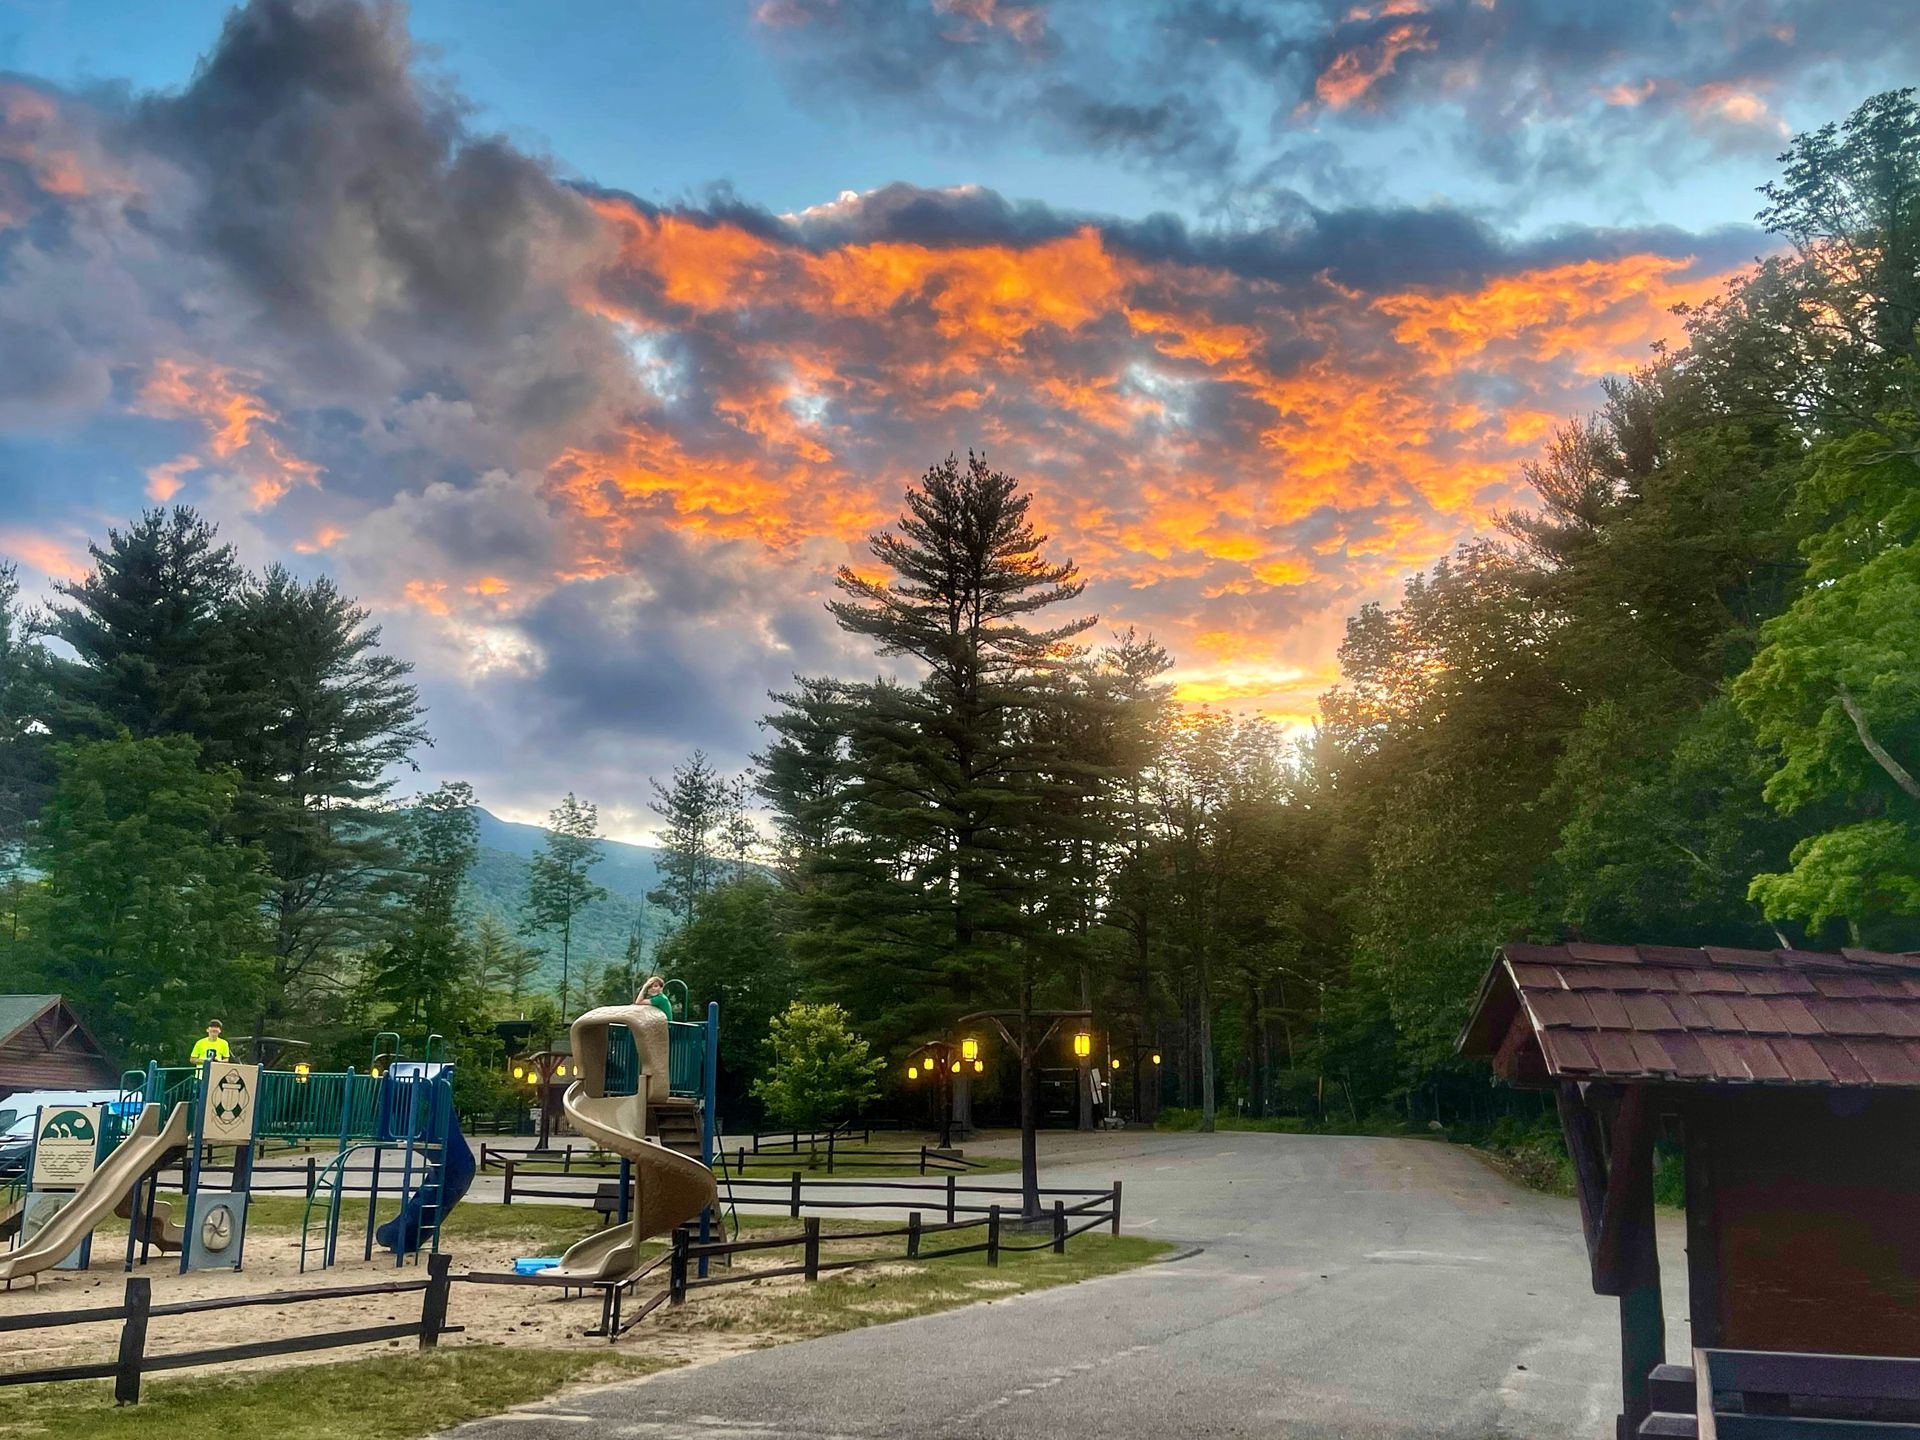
851 1299
852 1163
403 1396
543 1228
390 1397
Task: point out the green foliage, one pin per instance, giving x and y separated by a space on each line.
152 634
558 887
26 754
818 1072
148 915
323 720
427 971
694 807
735 952
1834 692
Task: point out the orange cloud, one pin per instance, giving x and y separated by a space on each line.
43 553
1730 105
238 424
164 480
1602 315
1226 455
325 538
1352 74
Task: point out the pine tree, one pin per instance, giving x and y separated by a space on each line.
148 917
694 807
803 774
26 700
504 965
558 887
425 969
151 628
958 872
324 721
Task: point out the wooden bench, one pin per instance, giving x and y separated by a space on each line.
606 1202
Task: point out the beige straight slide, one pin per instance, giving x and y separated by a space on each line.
146 1144
669 1188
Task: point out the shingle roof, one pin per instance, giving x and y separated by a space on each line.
1707 1016
16 1011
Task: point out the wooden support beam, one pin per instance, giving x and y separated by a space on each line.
1629 1171
1582 1132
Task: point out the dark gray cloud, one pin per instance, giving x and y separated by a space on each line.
1217 96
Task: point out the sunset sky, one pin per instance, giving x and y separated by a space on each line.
583 340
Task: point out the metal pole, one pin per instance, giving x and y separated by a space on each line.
199 1103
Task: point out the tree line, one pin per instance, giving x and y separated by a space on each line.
1675 701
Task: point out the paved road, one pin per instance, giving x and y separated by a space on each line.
1346 1288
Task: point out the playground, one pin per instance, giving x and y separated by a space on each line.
229 1220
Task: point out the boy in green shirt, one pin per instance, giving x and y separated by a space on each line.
211 1044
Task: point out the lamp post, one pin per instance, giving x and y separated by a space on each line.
539 1071
944 1063
1082 1052
1022 1032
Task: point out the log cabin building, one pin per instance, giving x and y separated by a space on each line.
1791 1082
44 1046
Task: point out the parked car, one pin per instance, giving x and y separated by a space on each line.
18 1112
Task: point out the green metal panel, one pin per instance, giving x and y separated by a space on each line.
686 1059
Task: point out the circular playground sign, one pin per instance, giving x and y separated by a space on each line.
65 1144
227 1113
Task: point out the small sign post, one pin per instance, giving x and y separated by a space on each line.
66 1146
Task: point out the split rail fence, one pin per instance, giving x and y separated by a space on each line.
136 1312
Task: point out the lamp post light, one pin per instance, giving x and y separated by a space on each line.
539 1071
945 1062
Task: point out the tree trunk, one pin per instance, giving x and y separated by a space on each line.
1029 1106
1206 1049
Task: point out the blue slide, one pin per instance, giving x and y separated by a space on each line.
443 1187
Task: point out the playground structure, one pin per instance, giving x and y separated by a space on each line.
643 1089
621 1098
166 1114
399 1105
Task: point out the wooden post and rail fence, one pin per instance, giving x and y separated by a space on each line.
686 1260
136 1312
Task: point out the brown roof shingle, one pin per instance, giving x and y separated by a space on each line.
1713 1015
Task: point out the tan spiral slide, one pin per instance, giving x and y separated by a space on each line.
669 1188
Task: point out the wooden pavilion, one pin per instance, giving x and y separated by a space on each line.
1791 1080
44 1046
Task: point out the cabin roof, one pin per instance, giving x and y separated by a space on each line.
19 1011
1547 1013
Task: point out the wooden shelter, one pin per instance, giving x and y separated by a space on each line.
1791 1080
43 1046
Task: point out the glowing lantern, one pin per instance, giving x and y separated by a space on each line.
969 1050
1156 1057
979 1067
1083 1045
913 1072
